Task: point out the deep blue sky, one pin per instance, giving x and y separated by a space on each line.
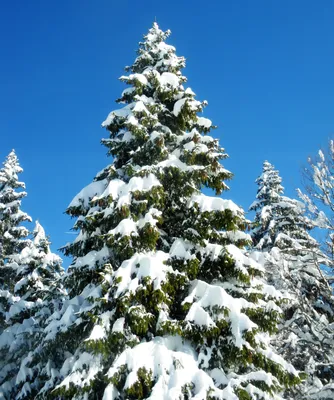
265 67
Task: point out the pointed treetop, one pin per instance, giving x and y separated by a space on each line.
268 169
156 55
270 187
11 160
155 34
9 171
39 235
12 155
267 165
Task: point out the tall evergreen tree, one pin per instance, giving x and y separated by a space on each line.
38 293
293 259
163 301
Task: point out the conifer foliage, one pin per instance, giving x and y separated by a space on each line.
293 259
163 301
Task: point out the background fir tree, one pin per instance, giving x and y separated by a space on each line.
293 260
12 233
38 293
268 195
163 301
11 216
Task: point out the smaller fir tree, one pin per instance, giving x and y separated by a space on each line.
38 293
11 216
293 258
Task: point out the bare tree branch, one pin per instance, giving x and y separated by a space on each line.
318 195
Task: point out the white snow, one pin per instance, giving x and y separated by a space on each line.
97 333
135 78
196 147
242 260
121 191
205 122
139 107
128 226
174 161
119 113
179 105
91 258
181 249
101 328
189 92
118 325
199 316
168 79
151 217
125 228
142 265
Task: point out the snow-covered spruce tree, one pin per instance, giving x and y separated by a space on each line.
164 303
38 293
12 233
293 258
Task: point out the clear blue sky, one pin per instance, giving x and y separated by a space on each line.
265 67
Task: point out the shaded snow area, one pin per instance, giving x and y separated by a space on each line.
171 360
174 363
70 312
83 198
208 296
81 375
